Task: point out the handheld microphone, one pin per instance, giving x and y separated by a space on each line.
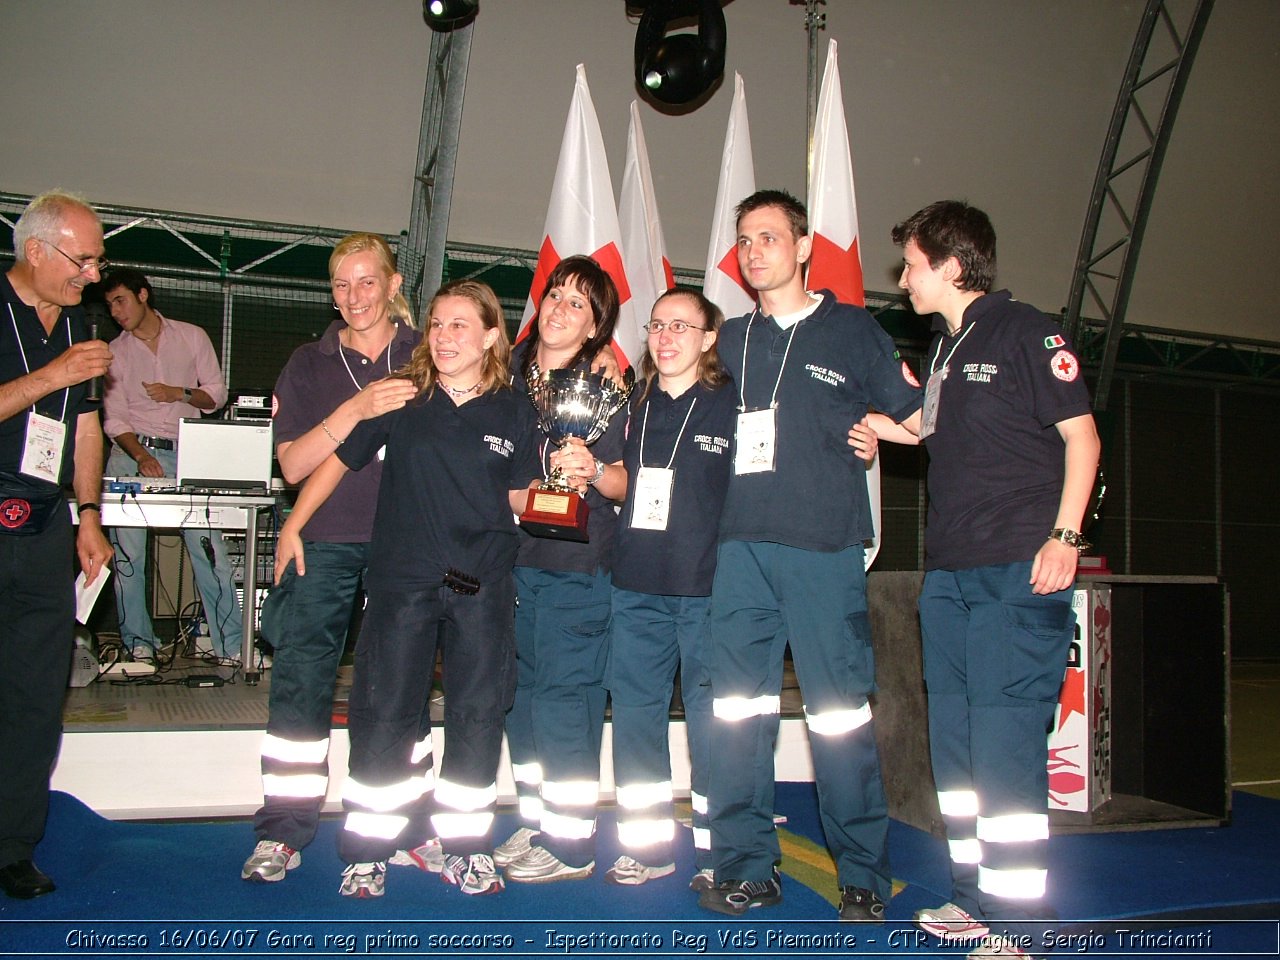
94 391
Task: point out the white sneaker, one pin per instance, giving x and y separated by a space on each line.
948 922
269 862
473 875
997 947
364 880
514 847
540 865
429 856
628 872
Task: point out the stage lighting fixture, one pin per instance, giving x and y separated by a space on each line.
448 13
682 67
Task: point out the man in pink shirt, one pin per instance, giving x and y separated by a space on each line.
163 370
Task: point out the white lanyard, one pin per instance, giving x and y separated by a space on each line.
66 391
644 425
742 388
933 364
343 354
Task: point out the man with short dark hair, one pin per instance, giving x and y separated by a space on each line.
790 569
1013 452
50 439
164 370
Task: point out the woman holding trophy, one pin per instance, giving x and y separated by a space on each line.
459 458
563 588
678 456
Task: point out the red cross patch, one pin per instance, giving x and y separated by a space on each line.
14 513
1065 366
908 376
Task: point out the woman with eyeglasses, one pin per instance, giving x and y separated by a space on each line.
677 458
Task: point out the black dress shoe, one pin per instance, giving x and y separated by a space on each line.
23 880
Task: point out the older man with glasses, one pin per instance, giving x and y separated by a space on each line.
50 439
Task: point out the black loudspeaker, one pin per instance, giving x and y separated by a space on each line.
680 68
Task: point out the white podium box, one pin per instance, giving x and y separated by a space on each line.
1080 742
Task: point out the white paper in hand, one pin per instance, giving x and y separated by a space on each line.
87 595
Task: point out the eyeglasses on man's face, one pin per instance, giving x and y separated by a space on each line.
675 326
84 266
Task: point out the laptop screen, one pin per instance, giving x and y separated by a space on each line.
224 454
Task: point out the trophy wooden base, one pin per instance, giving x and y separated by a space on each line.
555 514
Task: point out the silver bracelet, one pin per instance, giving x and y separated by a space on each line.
324 425
600 465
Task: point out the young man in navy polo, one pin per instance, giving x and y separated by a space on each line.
1013 452
790 568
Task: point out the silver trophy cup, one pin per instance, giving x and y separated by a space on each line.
569 404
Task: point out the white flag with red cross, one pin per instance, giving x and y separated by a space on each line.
835 263
581 216
723 284
644 249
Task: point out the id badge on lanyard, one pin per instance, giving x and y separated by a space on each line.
756 442
933 386
651 499
45 437
932 395
42 448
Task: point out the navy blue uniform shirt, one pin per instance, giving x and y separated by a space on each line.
996 464
839 362
445 483
681 560
22 332
313 384
569 556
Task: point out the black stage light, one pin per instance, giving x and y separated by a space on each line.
446 14
682 67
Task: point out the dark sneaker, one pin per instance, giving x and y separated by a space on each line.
704 879
859 904
736 897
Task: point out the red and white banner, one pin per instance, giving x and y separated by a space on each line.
723 283
1080 741
835 263
644 250
581 216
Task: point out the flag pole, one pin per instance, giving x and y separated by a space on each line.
814 20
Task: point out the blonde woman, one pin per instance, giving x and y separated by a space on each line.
325 389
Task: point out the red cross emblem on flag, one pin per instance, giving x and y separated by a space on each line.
1065 366
14 513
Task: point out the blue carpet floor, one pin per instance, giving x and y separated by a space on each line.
168 881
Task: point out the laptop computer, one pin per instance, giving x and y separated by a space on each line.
217 455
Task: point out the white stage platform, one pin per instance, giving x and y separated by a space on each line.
141 752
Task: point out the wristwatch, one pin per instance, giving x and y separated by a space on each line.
600 465
1072 538
186 394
